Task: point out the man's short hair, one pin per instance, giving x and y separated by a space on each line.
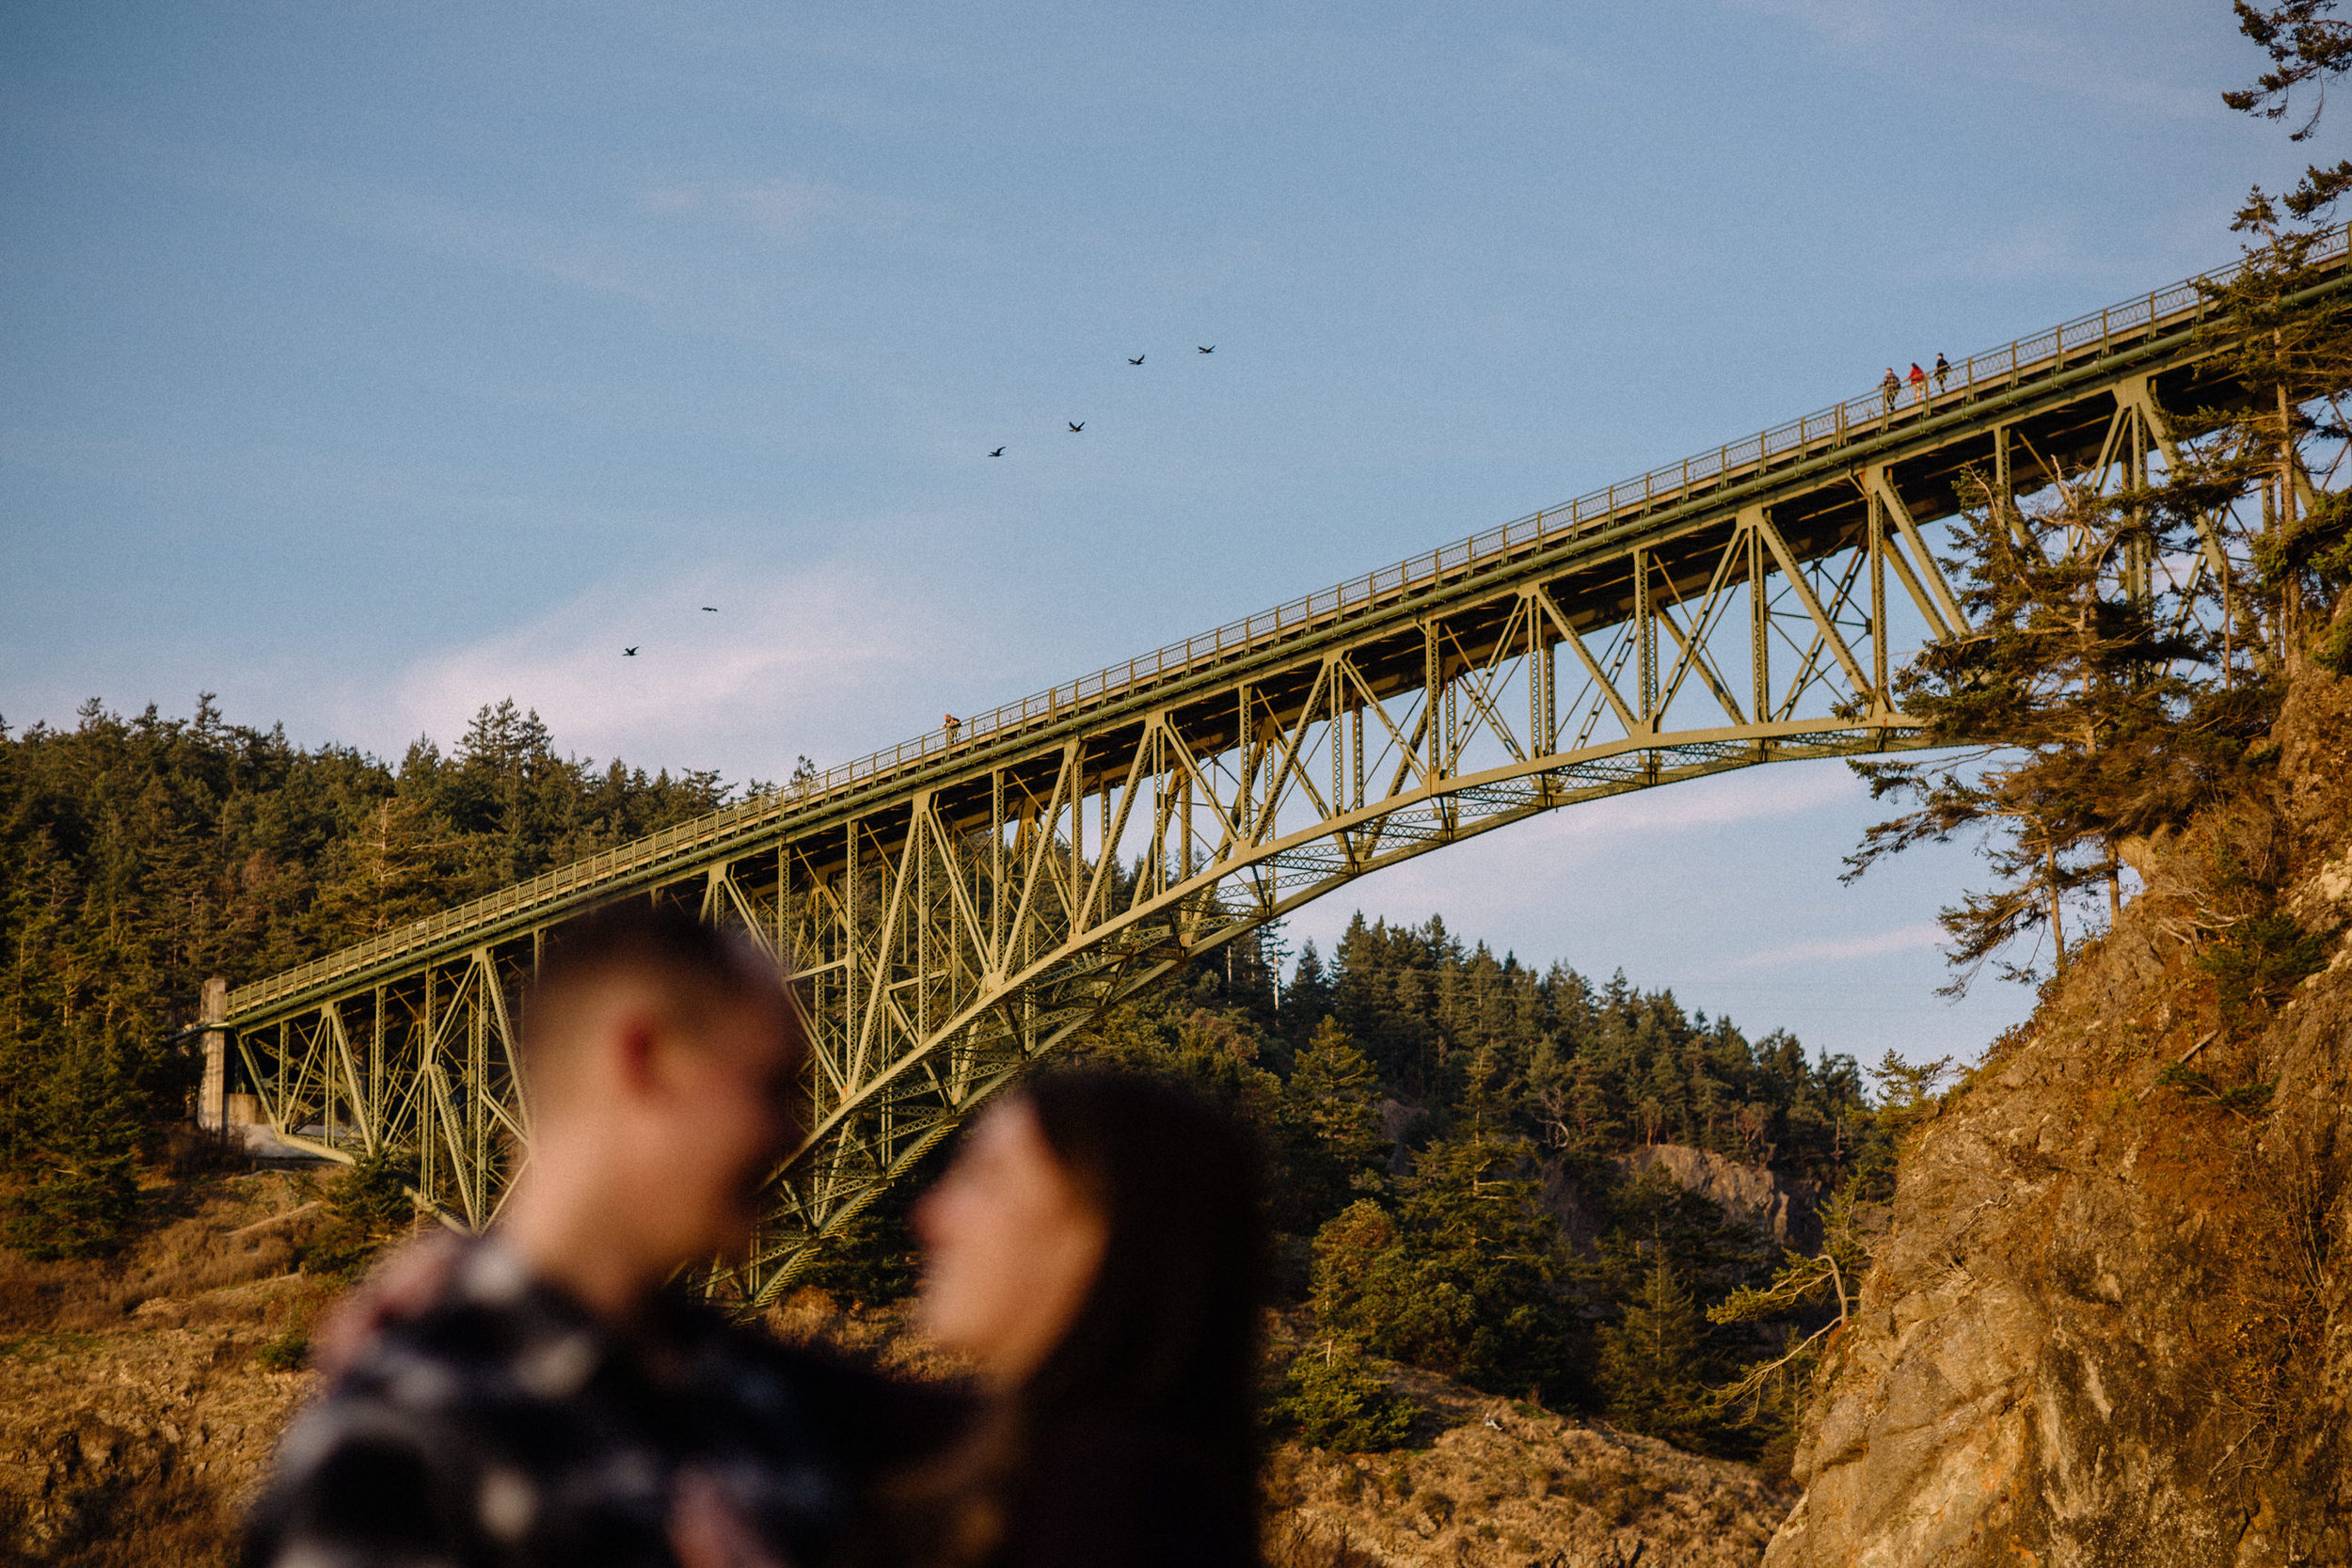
693 964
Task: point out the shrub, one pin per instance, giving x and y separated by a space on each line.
2259 961
1334 1398
366 1206
286 1352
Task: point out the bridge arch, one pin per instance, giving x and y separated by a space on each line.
956 908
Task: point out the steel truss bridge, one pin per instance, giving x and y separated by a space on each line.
958 906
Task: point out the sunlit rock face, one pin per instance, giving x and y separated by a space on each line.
1785 1208
2107 1325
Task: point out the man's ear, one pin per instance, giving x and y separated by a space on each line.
637 1047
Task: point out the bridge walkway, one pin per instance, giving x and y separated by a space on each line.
959 903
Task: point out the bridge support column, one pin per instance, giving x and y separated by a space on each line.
1751 529
1875 504
212 1091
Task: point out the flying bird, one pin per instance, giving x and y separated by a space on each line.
998 453
629 652
1211 349
1079 426
1137 360
711 608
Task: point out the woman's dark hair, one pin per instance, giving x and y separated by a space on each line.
1169 1331
1166 1342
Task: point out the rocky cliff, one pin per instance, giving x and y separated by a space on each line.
2107 1325
1783 1206
1506 1484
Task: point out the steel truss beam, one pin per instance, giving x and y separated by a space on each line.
958 907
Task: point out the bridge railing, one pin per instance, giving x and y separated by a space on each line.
2022 360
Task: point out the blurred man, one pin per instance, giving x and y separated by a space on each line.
546 1398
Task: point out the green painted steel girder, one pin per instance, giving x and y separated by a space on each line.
958 906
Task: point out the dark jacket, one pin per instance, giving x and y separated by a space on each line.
507 1427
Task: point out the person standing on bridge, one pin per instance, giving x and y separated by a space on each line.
1918 382
1890 388
1943 372
543 1394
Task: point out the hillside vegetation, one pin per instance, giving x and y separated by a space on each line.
2106 1325
1495 1182
1452 1128
139 856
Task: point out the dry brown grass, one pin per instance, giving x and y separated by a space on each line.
133 1415
1500 1484
883 1337
134 1523
1290 1542
194 1234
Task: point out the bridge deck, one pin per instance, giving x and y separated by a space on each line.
1787 464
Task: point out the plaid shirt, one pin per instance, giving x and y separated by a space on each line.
507 1427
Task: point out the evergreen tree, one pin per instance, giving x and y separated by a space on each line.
2101 707
388 870
1306 1000
1655 1362
139 856
1820 1290
1332 1397
2074 712
77 1146
1464 1280
1333 1106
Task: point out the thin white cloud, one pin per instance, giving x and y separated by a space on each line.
1850 23
831 661
2045 244
578 256
785 212
1899 36
1903 939
697 253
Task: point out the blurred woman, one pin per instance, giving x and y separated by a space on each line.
1096 1250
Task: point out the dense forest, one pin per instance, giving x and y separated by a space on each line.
1448 1127
139 856
1454 1142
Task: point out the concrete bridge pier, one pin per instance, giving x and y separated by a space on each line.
212 1091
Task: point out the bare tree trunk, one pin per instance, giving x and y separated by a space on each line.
2057 926
2289 591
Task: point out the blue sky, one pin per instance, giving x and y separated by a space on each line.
366 363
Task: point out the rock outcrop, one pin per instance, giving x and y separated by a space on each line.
134 1445
1785 1208
2108 1327
1511 1486
1498 1484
